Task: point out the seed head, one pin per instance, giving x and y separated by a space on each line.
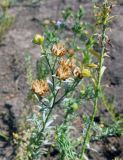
64 69
58 50
40 87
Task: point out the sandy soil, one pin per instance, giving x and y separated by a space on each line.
13 88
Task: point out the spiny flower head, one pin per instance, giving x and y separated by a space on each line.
40 87
69 62
77 72
58 50
64 69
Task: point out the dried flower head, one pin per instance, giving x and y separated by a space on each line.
64 70
69 62
58 50
40 87
77 72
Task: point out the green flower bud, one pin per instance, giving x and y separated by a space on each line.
75 106
86 73
38 39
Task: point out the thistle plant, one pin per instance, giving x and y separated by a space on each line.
64 76
69 72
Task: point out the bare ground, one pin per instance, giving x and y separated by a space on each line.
13 88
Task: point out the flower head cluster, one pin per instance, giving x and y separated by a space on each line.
40 87
67 67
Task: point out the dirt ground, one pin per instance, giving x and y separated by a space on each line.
13 88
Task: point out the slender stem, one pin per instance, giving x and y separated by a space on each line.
55 63
50 111
88 129
65 117
86 139
52 72
73 86
51 69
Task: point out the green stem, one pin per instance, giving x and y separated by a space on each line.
50 111
4 136
50 68
73 86
86 139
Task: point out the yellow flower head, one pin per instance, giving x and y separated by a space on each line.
38 39
58 50
86 73
15 135
40 87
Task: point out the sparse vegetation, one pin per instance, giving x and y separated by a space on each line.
66 92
